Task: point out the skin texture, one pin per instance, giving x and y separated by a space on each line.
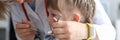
22 1
25 31
67 28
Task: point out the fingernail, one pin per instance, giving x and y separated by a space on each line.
55 19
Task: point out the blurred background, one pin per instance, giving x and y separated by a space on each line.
112 7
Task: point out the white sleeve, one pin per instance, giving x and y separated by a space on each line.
102 24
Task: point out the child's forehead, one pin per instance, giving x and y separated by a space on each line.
59 4
62 5
62 12
65 5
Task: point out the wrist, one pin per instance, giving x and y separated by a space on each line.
86 31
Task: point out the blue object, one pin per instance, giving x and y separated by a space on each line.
32 5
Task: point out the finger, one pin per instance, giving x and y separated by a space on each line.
19 31
25 22
64 39
61 36
20 1
29 36
52 18
60 24
22 26
55 19
26 34
50 21
59 30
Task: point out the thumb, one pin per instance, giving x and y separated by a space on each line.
20 1
59 24
25 22
55 19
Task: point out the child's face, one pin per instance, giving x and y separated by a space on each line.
65 13
55 15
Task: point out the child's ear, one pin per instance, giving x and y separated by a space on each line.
76 17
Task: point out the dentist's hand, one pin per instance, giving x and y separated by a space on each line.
70 30
24 30
22 1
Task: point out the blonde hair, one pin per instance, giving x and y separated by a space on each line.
4 8
87 8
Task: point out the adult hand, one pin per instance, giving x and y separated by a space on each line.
24 30
22 1
70 30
